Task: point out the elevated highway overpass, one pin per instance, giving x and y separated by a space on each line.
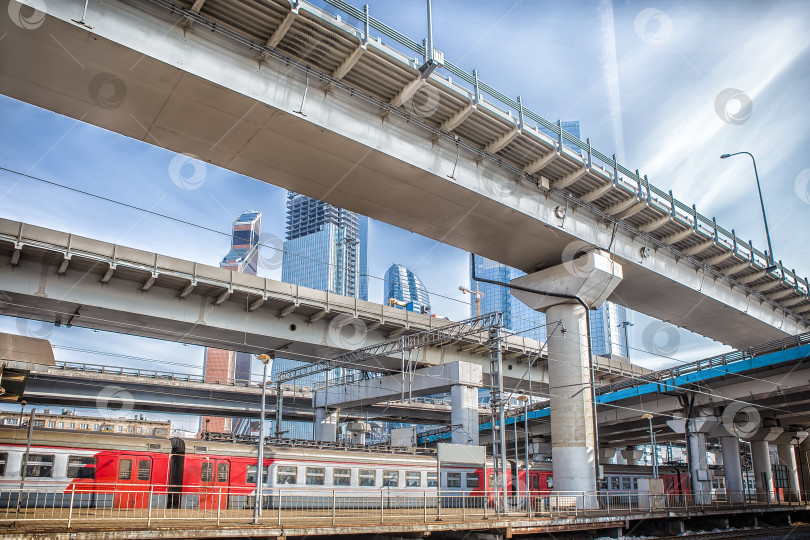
301 99
70 280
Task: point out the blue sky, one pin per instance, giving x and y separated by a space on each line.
643 79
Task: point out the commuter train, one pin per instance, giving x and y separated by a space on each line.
64 468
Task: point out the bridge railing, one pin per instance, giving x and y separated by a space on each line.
711 362
170 376
124 505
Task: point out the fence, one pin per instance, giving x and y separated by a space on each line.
147 504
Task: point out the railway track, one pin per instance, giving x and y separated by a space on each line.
794 532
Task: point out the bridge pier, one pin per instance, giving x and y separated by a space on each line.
326 421
632 456
785 445
803 451
587 279
732 468
761 459
464 414
695 430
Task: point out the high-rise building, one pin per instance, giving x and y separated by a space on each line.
403 286
607 322
325 248
220 365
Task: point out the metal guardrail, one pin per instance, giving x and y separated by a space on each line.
127 505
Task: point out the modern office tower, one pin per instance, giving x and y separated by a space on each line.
325 247
406 289
220 365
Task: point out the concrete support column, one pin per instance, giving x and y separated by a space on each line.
606 455
699 468
464 415
803 451
695 430
632 456
572 435
763 477
732 470
761 460
787 457
326 421
588 279
786 444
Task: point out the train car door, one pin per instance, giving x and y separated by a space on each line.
215 477
134 479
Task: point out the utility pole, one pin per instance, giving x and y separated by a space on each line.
478 294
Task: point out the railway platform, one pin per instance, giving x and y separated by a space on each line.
416 516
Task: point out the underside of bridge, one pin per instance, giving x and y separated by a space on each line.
166 78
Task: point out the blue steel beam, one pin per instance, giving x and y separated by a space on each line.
669 385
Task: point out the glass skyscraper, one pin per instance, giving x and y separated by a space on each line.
220 365
402 285
607 331
325 248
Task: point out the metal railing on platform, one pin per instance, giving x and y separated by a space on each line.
129 505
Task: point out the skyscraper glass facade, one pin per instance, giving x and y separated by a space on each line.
325 247
220 365
402 285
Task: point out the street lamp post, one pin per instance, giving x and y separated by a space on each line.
771 265
257 509
653 449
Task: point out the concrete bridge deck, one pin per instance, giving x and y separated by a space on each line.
301 99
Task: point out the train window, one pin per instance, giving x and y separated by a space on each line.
635 483
250 474
390 479
615 483
315 476
81 467
413 479
3 460
472 480
286 475
626 484
144 469
341 477
432 480
206 471
367 477
550 482
222 472
39 466
125 469
454 479
535 481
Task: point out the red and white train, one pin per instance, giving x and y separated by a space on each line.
64 467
